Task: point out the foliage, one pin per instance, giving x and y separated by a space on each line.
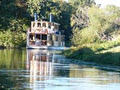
13 23
101 27
80 18
11 59
12 39
100 37
76 3
95 34
87 54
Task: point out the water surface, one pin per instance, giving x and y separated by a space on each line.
48 70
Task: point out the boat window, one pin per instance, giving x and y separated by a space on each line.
31 37
56 38
56 27
44 24
33 24
38 36
39 24
49 26
53 37
44 37
50 37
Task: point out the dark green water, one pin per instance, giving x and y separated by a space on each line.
48 70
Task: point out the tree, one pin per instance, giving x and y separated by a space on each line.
34 6
13 23
80 18
76 3
103 23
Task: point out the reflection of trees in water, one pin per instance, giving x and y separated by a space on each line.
62 73
12 59
11 81
42 66
5 82
95 75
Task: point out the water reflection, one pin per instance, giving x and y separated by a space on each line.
12 59
93 75
12 64
48 70
40 65
43 65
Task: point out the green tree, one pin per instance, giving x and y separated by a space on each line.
101 27
13 23
76 3
79 19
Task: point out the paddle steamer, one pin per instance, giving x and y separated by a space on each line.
45 35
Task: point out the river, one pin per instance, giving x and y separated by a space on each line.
48 70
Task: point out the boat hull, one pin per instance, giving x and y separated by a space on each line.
47 47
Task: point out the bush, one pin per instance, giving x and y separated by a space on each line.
11 39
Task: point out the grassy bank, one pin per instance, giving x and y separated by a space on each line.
103 53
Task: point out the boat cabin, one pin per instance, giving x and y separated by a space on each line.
44 33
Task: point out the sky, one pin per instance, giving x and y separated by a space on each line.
66 0
108 2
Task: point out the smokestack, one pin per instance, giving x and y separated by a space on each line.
35 16
51 17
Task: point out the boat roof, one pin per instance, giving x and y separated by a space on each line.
47 22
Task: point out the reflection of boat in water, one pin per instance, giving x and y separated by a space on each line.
41 64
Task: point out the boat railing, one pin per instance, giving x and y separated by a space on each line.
38 30
43 30
38 42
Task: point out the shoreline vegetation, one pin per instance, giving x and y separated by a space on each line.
103 54
96 35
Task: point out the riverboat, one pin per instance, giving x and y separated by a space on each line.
45 35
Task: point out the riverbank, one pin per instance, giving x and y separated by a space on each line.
98 53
